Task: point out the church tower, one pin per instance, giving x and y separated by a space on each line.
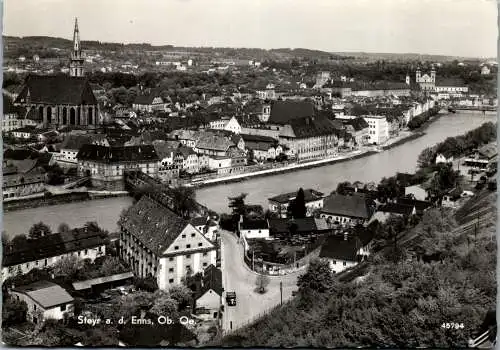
407 79
418 75
76 65
433 75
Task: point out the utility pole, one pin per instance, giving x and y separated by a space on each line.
281 291
253 260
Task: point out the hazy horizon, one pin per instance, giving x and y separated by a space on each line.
423 27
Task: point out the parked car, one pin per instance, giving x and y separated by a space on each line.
231 298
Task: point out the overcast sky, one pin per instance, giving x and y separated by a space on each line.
448 27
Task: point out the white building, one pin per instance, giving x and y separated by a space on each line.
45 300
378 129
156 242
48 250
209 299
254 229
231 125
343 252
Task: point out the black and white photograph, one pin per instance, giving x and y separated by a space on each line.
249 173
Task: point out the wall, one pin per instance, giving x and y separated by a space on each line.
90 253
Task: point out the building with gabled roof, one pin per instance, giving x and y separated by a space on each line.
85 243
209 297
282 112
346 210
106 165
280 203
45 300
157 242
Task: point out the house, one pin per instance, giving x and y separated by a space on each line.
254 229
84 243
60 100
444 158
360 130
383 212
453 87
23 179
72 145
45 300
149 103
188 138
206 225
209 298
303 227
106 165
416 191
482 157
342 252
378 129
420 206
26 133
187 159
312 138
280 203
485 70
451 198
228 124
156 242
213 144
95 286
345 210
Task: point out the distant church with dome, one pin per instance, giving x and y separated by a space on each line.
62 100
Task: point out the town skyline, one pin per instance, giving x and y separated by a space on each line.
362 31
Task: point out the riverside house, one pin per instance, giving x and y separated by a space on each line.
280 203
84 243
158 243
106 165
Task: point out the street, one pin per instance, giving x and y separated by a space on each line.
239 278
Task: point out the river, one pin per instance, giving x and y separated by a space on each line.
402 158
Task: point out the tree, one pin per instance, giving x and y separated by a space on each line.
111 266
426 157
164 304
13 312
182 294
262 282
184 199
343 188
68 267
38 230
318 277
237 204
63 227
298 205
92 226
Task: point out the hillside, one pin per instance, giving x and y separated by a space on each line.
400 302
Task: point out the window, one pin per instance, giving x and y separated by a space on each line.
200 244
205 254
188 267
193 234
34 307
188 256
171 269
204 264
176 247
170 259
334 262
171 280
63 307
100 249
188 246
183 236
345 263
86 251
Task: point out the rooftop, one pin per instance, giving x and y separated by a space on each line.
118 154
309 196
45 293
350 206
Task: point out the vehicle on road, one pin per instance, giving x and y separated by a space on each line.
231 298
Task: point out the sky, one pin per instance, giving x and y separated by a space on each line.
443 27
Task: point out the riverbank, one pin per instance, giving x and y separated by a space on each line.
287 169
48 200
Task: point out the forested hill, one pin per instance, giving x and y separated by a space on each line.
401 303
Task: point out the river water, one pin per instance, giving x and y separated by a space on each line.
402 158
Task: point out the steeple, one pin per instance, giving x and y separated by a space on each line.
76 65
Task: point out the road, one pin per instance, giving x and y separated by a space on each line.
238 277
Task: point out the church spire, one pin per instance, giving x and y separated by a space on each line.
76 65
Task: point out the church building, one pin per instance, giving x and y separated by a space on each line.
426 82
62 100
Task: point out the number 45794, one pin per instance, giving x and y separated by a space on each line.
451 325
